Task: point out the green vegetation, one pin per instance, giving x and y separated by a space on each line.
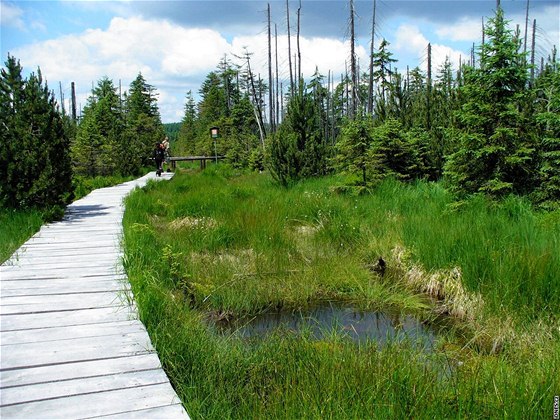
116 136
35 169
16 226
223 244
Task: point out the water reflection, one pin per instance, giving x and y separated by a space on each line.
321 321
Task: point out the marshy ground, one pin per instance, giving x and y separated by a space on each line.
224 248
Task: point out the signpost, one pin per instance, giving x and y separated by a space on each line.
215 133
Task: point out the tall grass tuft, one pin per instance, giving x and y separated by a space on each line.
16 226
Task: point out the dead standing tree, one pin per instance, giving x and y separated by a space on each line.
289 49
353 69
370 85
257 98
271 101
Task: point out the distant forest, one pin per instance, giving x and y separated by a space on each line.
490 126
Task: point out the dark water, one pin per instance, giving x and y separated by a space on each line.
321 321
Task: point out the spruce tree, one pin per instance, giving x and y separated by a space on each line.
186 141
547 87
35 163
101 146
352 150
299 148
11 129
144 127
496 155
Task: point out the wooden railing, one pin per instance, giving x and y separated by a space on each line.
174 159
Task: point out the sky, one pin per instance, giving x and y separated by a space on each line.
175 44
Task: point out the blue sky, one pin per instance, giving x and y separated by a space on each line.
175 44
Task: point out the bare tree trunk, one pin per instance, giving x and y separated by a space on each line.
270 79
282 100
257 107
73 101
533 51
328 105
344 90
370 86
353 62
429 89
277 108
290 49
526 27
61 98
299 75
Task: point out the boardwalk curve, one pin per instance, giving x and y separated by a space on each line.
71 344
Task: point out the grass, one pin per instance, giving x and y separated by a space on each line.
222 243
17 226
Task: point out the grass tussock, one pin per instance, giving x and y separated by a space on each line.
223 244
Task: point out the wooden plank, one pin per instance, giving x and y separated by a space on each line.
54 303
80 369
23 252
97 404
61 319
74 288
81 386
73 350
41 335
61 273
60 280
167 412
64 263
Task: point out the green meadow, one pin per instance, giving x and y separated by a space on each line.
223 245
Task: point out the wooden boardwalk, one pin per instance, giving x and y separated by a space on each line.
71 343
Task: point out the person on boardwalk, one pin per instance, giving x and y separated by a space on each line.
159 156
166 149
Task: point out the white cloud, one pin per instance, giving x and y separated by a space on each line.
173 58
160 50
466 29
322 53
548 27
11 15
410 40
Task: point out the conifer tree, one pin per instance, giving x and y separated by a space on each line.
97 149
352 150
299 148
34 154
144 126
497 150
547 87
186 141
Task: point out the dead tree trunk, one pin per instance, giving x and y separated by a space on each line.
289 49
73 87
272 118
526 27
429 89
533 51
370 85
61 98
256 100
299 75
277 108
353 71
